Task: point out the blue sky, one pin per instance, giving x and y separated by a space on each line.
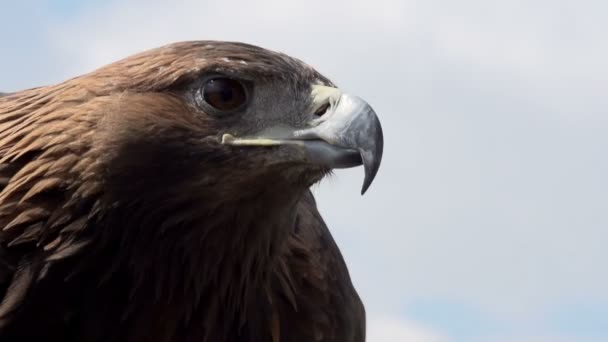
487 221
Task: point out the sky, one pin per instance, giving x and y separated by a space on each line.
488 219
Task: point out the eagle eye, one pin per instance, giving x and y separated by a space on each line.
224 94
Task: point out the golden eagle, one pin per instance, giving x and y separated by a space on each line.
165 197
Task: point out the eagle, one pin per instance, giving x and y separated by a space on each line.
166 197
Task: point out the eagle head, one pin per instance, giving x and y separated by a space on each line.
228 120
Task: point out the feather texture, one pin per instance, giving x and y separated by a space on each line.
123 219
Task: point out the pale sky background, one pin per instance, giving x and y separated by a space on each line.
488 220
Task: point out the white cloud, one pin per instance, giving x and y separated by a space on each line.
394 329
537 338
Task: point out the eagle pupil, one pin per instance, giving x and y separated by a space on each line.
224 93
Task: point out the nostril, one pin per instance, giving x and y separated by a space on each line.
322 110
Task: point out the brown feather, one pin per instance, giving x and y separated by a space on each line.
123 219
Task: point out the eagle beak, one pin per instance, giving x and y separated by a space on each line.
346 135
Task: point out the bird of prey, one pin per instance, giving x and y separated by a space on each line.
165 197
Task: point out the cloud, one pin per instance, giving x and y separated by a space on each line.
393 329
536 338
